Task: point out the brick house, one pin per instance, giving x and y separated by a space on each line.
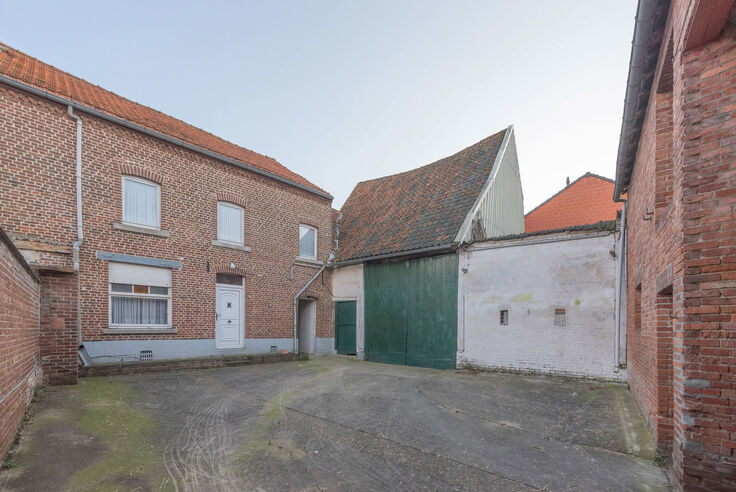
677 165
586 200
153 238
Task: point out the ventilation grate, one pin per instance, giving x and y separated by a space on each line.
146 355
273 348
560 317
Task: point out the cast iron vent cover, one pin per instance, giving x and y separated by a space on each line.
146 355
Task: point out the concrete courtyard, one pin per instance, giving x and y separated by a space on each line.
333 423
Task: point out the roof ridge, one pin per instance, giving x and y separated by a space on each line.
437 162
588 174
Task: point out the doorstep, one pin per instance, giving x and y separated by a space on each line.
120 368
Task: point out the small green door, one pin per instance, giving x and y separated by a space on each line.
345 327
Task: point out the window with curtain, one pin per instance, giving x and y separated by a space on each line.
141 202
229 223
307 241
140 296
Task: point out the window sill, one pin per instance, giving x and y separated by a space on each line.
312 261
223 244
140 230
130 330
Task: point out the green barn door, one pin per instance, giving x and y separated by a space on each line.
345 327
411 312
385 312
432 306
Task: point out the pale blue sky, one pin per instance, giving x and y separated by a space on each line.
344 91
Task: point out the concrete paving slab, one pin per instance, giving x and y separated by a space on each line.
333 423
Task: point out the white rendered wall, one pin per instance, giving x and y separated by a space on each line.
531 281
347 285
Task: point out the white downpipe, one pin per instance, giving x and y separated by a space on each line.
80 231
621 260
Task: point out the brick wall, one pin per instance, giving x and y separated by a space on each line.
59 337
682 257
586 201
37 184
19 349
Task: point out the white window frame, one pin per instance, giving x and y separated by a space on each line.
307 226
158 201
242 222
114 326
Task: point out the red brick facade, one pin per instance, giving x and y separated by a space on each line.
37 190
59 336
586 200
20 368
681 216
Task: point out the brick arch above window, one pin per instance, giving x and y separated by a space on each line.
309 221
223 196
225 268
133 170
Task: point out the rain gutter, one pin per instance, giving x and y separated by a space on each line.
651 17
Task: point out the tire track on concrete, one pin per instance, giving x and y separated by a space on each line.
195 458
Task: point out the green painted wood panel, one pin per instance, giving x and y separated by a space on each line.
345 315
411 312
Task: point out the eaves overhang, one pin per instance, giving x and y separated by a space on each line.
651 19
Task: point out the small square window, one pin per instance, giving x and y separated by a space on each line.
229 223
560 317
307 241
504 317
141 202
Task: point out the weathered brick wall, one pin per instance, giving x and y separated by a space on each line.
59 336
587 201
649 338
682 350
19 349
37 183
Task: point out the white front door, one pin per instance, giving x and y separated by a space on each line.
229 317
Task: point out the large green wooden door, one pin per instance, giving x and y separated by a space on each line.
411 312
345 327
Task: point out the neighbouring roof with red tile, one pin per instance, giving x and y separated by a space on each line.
416 209
18 66
587 200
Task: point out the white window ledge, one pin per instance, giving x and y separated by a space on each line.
303 259
132 330
140 230
225 244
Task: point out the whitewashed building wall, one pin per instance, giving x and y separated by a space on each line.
531 281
